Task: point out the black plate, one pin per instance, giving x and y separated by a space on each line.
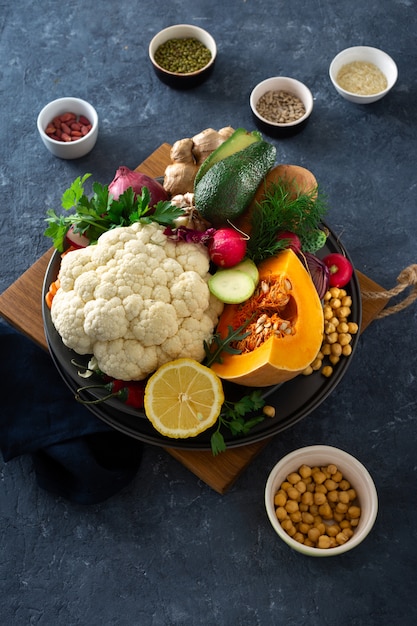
293 400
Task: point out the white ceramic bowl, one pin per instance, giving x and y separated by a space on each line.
370 55
351 469
281 83
72 149
183 31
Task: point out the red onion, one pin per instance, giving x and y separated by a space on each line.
126 178
319 272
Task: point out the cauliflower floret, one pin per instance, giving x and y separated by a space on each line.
135 300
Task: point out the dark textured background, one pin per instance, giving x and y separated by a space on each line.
168 550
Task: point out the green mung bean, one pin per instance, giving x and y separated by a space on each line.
182 56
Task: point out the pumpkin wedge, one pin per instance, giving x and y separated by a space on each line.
285 328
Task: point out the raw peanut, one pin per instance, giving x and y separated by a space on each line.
67 127
66 117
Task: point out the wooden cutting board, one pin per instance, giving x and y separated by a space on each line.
21 306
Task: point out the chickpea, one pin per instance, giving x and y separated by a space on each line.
291 506
336 349
308 518
330 328
337 476
345 339
341 538
313 534
293 478
344 497
346 301
317 506
333 496
305 471
341 507
347 350
327 371
320 498
352 494
301 486
319 477
295 517
333 529
332 337
326 511
327 312
323 542
293 494
353 328
316 364
330 484
334 292
343 312
342 327
280 498
354 511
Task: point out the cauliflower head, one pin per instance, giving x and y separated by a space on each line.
135 301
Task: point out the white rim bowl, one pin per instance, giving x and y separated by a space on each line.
351 469
182 31
370 55
73 149
282 83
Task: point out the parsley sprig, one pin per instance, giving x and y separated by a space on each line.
101 212
238 418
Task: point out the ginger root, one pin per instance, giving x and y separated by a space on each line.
186 157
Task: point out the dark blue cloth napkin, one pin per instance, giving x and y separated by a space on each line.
75 454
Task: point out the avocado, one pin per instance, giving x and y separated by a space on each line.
229 186
237 141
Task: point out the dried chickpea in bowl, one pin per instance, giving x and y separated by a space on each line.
321 501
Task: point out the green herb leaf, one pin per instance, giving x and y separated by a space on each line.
73 195
217 443
100 213
218 344
238 418
279 210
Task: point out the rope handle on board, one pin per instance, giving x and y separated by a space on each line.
407 278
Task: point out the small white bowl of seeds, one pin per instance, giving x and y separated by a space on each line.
281 106
363 74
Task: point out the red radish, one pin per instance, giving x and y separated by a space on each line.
227 247
340 269
294 240
125 178
76 240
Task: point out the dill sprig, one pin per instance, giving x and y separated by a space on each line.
281 211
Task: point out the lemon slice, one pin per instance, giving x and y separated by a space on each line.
183 398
